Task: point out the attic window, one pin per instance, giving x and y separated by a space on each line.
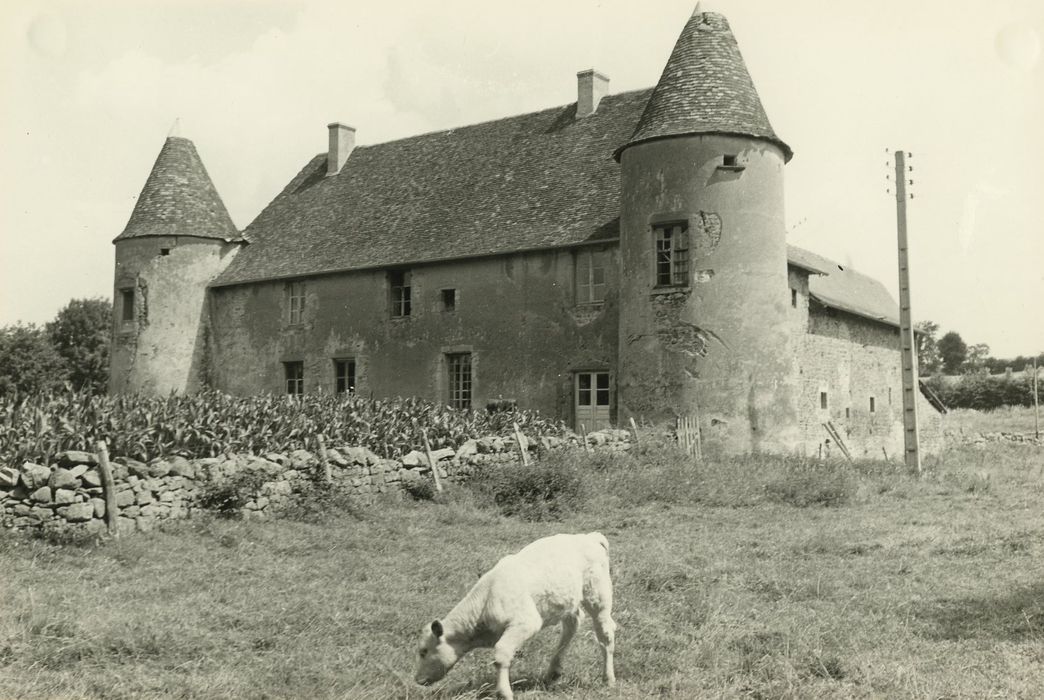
399 286
164 251
730 161
449 300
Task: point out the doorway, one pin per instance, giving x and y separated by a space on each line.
592 400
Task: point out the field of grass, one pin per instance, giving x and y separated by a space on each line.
745 578
1008 419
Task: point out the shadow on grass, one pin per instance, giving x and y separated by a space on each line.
1016 615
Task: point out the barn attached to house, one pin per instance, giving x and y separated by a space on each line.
621 256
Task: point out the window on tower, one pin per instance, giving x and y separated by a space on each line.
672 254
127 305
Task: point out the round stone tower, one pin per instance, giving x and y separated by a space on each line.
178 239
704 294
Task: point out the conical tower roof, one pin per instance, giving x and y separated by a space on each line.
705 89
179 199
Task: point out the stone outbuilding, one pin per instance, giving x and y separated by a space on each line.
623 256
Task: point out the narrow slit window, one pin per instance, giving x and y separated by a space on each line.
127 305
344 376
672 255
873 405
793 298
401 292
822 399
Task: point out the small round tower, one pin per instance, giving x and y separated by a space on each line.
179 237
704 295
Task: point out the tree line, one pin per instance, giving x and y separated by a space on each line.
71 351
951 355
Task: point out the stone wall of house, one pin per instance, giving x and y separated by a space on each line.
855 361
69 494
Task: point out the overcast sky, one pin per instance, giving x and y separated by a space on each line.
91 89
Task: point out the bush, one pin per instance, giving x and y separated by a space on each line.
983 392
545 490
226 497
420 490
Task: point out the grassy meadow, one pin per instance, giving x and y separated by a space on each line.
744 578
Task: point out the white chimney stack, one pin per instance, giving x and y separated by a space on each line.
342 141
591 87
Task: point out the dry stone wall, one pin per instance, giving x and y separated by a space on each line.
68 493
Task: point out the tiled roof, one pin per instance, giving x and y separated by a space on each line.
845 289
179 199
534 181
705 89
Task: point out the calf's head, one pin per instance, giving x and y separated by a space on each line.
436 655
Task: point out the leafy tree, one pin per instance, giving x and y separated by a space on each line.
81 333
28 361
928 360
953 351
975 363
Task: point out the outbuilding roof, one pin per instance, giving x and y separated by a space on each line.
179 199
705 88
840 287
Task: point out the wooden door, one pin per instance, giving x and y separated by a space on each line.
592 399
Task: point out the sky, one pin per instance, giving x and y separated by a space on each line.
90 91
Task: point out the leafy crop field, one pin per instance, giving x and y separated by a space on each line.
741 578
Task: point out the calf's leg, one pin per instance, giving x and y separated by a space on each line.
605 631
504 651
569 625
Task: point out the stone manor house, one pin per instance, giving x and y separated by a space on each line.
621 256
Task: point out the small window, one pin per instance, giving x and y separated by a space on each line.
590 276
164 251
848 412
294 372
399 285
344 376
889 396
729 161
459 368
793 298
873 405
295 292
449 300
823 399
672 255
127 305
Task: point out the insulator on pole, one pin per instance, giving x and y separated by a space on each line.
910 168
911 182
911 195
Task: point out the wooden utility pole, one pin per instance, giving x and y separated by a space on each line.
1036 403
907 342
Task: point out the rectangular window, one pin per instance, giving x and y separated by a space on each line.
449 300
873 405
672 255
127 305
294 372
822 399
459 368
164 251
590 276
793 298
295 292
399 284
344 376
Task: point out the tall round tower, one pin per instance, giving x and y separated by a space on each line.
704 294
178 239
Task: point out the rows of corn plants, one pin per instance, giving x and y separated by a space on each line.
210 423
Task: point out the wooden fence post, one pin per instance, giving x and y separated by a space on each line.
634 431
108 488
323 460
521 446
431 462
583 437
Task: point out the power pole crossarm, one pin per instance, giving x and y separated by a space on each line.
907 344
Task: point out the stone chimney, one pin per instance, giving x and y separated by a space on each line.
591 87
342 141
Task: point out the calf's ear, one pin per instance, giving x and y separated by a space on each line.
436 628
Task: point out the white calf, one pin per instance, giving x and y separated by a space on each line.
545 583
